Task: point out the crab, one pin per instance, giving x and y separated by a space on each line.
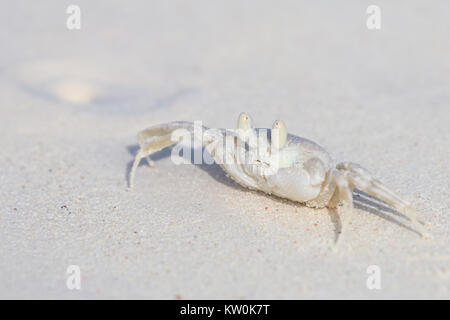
284 165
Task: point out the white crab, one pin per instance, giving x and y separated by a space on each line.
289 166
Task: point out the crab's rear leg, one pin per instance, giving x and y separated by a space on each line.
364 181
158 143
154 139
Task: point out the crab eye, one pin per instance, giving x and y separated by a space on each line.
244 122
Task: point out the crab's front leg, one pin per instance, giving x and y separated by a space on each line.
343 195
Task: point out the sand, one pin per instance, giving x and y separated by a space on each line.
72 103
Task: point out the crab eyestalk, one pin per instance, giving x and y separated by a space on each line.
278 134
244 124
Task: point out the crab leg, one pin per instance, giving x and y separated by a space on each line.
159 137
364 181
154 139
157 144
344 193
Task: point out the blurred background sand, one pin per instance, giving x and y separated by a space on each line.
72 102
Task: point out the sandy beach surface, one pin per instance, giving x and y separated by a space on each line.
72 102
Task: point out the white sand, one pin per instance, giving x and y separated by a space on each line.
72 103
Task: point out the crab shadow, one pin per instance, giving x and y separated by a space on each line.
366 202
361 200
